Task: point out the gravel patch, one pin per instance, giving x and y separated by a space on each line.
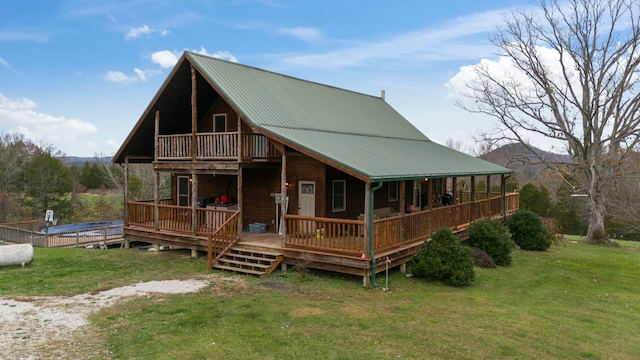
26 324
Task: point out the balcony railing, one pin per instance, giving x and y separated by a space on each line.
216 146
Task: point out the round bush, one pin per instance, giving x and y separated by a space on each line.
493 238
528 231
482 259
444 258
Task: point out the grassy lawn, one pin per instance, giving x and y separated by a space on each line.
573 301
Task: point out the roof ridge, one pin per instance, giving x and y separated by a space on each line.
280 74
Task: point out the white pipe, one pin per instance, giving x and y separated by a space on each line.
18 254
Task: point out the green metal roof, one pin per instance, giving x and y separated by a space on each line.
358 131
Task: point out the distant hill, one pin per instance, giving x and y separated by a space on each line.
79 161
526 166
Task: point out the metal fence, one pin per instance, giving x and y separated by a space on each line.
89 237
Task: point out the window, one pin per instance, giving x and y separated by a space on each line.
393 191
339 195
220 122
183 191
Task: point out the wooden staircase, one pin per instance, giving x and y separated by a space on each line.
250 262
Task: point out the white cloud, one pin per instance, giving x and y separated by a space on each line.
5 63
167 58
122 78
135 33
20 116
457 39
303 33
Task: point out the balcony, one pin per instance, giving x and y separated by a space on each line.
216 146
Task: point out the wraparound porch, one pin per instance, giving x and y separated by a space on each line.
324 243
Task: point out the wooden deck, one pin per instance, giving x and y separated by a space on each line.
335 245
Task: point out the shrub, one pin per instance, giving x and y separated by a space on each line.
445 259
493 238
528 231
482 259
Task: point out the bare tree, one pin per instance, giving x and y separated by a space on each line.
573 79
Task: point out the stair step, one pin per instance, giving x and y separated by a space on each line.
238 262
249 257
260 254
237 269
251 262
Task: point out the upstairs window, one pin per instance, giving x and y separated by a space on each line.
220 122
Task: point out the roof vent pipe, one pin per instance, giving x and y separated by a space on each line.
382 94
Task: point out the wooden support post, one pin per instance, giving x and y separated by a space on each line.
488 187
455 203
403 268
367 202
194 203
156 200
240 201
210 251
473 198
283 191
401 190
429 194
156 140
126 190
194 115
194 253
239 139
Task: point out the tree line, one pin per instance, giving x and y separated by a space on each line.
35 178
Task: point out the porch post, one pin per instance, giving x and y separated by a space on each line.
239 200
126 197
156 199
402 207
488 186
367 219
194 115
473 198
156 139
194 203
429 194
283 204
239 139
126 188
455 203
401 189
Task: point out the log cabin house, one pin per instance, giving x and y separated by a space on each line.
311 174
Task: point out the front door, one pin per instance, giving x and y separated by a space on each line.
307 198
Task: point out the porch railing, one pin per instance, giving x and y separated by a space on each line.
176 218
256 146
222 239
218 145
325 234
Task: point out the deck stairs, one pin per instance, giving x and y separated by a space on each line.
259 263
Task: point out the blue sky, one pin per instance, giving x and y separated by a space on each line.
77 74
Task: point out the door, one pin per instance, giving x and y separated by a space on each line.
183 191
307 198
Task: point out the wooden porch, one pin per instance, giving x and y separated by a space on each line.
323 243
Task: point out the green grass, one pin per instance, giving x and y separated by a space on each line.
75 271
574 301
91 200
